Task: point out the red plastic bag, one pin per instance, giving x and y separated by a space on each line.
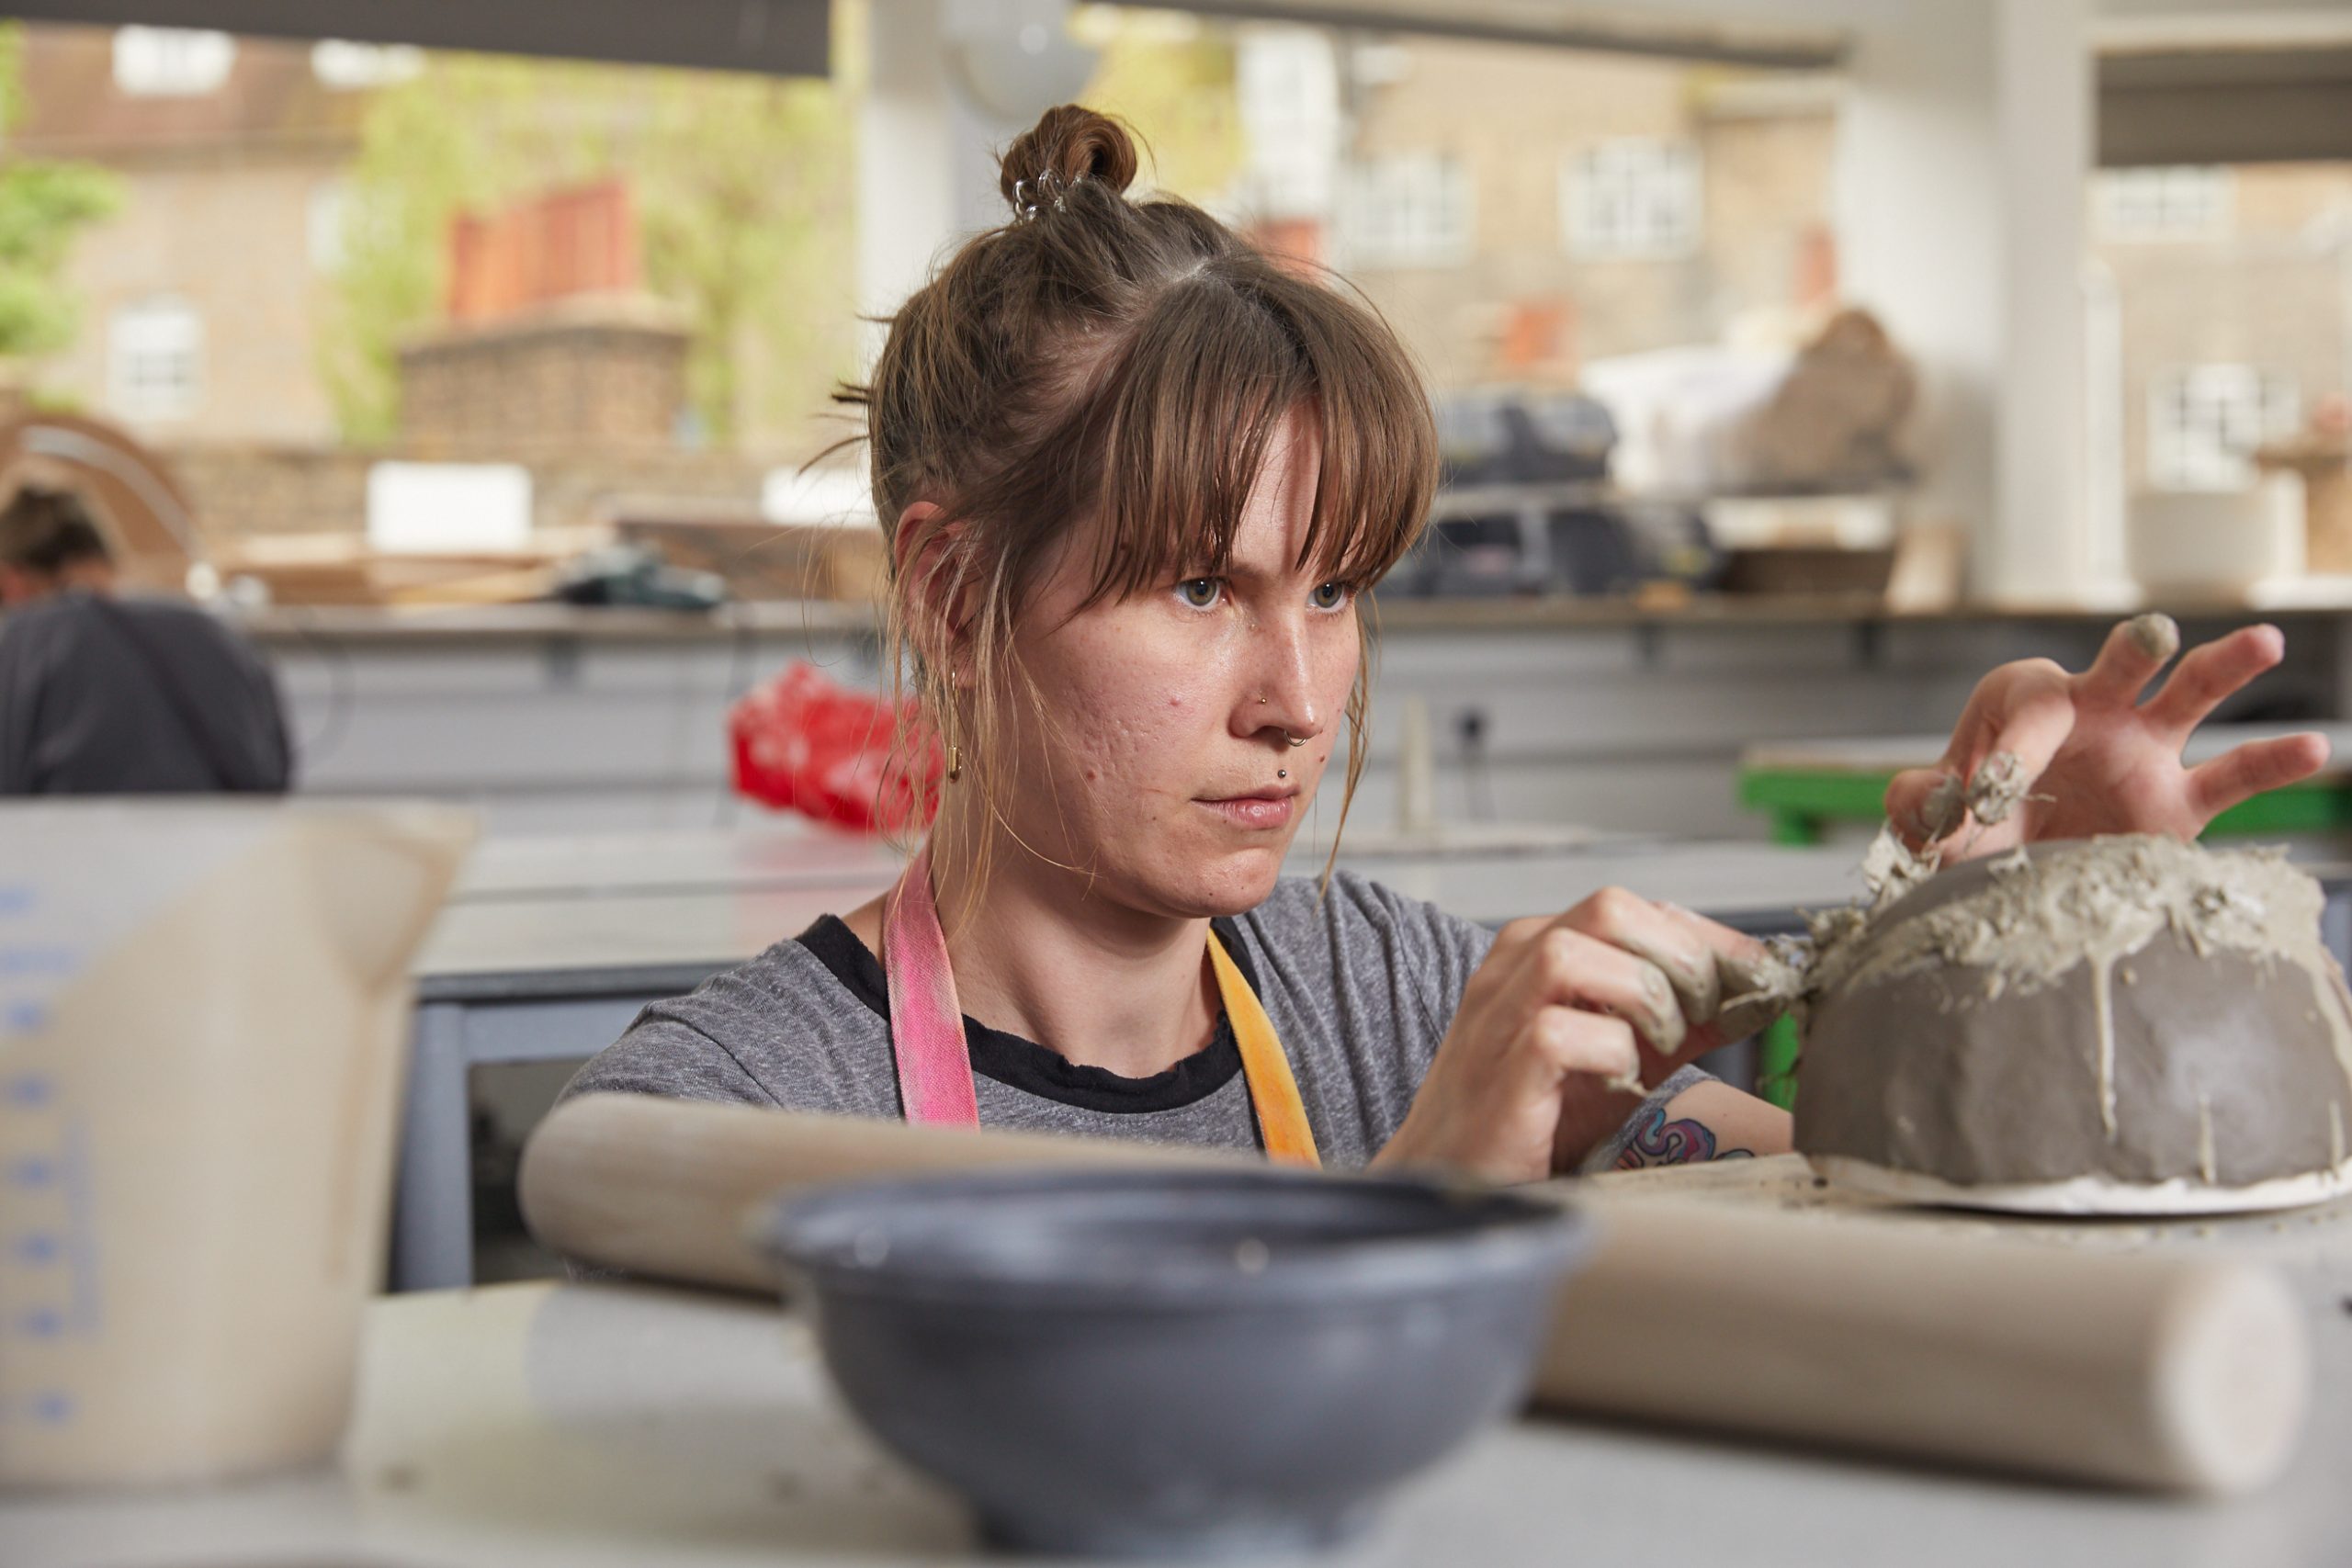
805 743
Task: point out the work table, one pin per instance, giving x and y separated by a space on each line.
599 1424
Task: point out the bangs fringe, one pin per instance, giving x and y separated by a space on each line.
1167 445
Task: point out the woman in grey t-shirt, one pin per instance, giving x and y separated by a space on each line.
1134 477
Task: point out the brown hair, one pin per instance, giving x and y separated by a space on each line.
45 531
1127 362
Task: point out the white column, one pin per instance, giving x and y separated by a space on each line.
2040 544
1962 160
1917 206
906 158
952 82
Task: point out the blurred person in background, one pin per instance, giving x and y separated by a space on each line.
107 694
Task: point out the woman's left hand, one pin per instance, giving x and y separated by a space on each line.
2039 753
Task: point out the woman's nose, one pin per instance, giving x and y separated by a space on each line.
1286 699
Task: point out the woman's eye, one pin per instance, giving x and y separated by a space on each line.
1329 596
1201 592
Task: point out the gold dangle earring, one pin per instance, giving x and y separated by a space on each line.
954 751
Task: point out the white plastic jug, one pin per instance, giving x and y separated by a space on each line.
204 1010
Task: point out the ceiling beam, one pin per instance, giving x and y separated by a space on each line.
1543 26
785 38
2225 105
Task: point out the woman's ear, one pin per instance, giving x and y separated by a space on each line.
925 548
915 528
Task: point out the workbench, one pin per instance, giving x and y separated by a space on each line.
549 947
546 951
590 1425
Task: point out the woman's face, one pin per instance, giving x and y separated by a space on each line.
1163 762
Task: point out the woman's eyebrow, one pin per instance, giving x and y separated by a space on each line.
1237 570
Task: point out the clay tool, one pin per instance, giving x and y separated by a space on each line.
2147 1371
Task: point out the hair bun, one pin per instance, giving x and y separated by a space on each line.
1069 143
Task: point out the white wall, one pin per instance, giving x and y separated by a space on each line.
1626 729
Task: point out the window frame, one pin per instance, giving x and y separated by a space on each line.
1677 180
2144 205
2191 444
348 65
172 62
1388 224
173 333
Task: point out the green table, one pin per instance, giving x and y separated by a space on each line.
1805 786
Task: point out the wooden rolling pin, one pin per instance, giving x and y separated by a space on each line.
2168 1373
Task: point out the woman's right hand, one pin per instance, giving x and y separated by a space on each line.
1562 1027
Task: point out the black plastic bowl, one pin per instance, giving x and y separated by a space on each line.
1176 1363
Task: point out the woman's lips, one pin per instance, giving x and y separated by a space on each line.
1256 812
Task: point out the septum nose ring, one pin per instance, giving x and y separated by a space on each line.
1295 740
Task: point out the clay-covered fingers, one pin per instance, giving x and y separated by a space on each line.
1926 805
1550 1023
1572 1040
2210 672
1551 1016
2243 771
1680 945
1577 970
2014 724
1753 985
2034 717
2129 659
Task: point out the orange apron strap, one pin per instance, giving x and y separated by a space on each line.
1282 1115
934 1062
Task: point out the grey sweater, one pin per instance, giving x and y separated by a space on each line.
1360 983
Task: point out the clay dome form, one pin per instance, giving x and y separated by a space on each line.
2119 1025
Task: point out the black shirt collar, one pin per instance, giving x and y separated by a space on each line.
1026 1065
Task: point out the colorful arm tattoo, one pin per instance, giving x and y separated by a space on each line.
1657 1141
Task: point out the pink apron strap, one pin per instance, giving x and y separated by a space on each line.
926 1022
935 1061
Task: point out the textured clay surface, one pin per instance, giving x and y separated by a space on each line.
2129 1009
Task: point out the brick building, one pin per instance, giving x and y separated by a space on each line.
1515 213
1518 213
2226 295
200 295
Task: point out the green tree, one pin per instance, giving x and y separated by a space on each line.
747 209
1169 76
43 206
741 184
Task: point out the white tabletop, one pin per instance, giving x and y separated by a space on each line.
771 850
1734 880
606 1425
626 913
630 913
766 853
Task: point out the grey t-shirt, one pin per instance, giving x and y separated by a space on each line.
1360 983
135 696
